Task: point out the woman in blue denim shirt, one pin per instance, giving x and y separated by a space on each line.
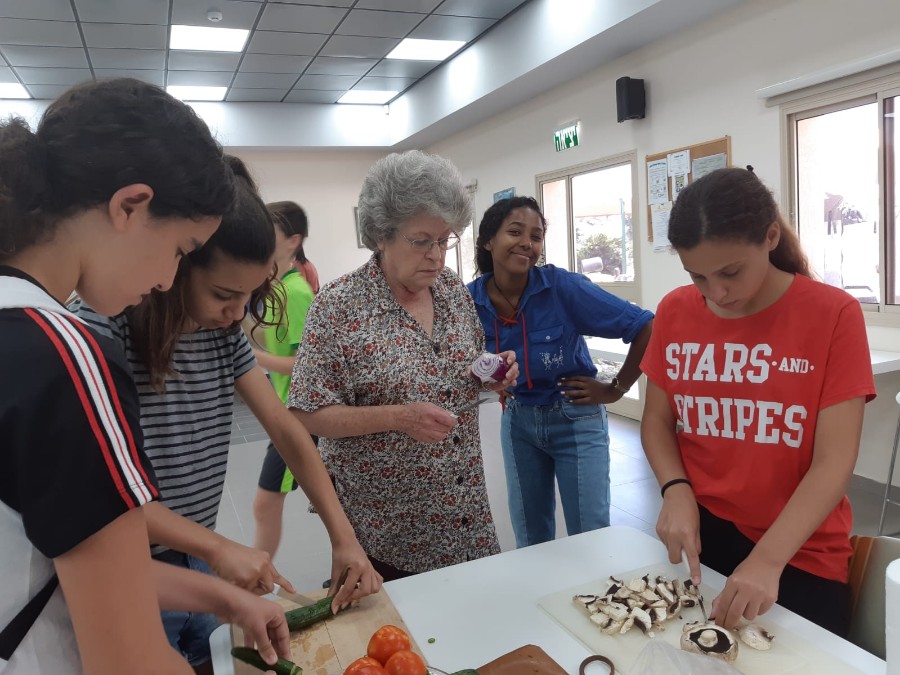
555 423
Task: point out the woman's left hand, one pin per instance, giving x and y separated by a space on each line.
751 590
361 579
582 390
509 380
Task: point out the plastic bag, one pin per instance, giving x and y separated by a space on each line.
661 658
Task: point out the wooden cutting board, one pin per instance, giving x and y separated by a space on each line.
329 647
790 654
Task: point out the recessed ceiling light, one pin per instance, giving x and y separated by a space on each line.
204 38
364 96
425 50
13 90
197 93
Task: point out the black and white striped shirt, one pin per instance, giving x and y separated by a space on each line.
187 428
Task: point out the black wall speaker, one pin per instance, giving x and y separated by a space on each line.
630 99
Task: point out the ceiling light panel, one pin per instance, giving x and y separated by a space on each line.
13 90
425 50
203 38
195 93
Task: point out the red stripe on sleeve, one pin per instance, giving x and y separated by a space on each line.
114 395
86 406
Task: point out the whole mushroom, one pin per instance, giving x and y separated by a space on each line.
709 639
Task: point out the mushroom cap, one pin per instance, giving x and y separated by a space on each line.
709 639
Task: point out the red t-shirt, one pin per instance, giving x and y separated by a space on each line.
747 392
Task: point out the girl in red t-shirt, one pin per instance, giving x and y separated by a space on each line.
757 380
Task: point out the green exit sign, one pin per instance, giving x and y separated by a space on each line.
567 137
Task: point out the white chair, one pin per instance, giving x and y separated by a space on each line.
890 476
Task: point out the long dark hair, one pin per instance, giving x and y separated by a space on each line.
247 234
733 205
490 224
291 219
95 139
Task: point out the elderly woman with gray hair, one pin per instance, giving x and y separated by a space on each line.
382 376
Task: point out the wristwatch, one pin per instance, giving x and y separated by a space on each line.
617 385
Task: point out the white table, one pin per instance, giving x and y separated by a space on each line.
884 362
479 610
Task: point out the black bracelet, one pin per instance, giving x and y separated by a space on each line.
674 481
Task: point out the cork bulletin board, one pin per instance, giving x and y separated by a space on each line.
671 171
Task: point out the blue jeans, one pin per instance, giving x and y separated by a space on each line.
188 632
564 441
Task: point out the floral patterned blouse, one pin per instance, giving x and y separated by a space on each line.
416 506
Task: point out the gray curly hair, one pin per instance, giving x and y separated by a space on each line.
405 185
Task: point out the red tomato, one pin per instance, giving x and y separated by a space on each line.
385 641
365 666
405 663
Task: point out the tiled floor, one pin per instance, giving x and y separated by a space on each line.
305 553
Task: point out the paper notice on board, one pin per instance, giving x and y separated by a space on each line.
705 165
659 222
679 162
658 181
679 182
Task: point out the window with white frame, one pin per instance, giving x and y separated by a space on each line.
844 187
590 229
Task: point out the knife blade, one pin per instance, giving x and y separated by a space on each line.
471 405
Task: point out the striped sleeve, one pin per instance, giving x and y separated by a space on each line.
244 360
85 465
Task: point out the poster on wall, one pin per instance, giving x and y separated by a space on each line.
506 193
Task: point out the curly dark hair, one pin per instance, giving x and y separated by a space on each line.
490 224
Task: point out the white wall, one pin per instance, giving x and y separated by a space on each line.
326 185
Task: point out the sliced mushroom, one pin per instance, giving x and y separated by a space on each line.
755 636
602 620
709 639
642 620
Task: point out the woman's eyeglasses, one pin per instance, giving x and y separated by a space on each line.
425 245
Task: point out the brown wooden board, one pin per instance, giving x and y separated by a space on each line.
698 150
328 648
527 660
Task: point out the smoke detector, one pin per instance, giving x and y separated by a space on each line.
214 15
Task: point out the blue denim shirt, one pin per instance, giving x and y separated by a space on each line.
556 310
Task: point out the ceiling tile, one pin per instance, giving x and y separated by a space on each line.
495 9
335 82
65 76
312 96
385 83
422 6
380 24
403 68
234 14
451 28
141 59
157 77
199 78
255 94
273 63
44 33
47 10
184 60
45 57
123 11
335 65
6 75
365 47
47 91
125 36
299 18
325 3
300 44
265 80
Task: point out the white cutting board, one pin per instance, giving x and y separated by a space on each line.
790 654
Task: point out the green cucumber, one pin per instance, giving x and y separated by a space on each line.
303 617
252 657
467 671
